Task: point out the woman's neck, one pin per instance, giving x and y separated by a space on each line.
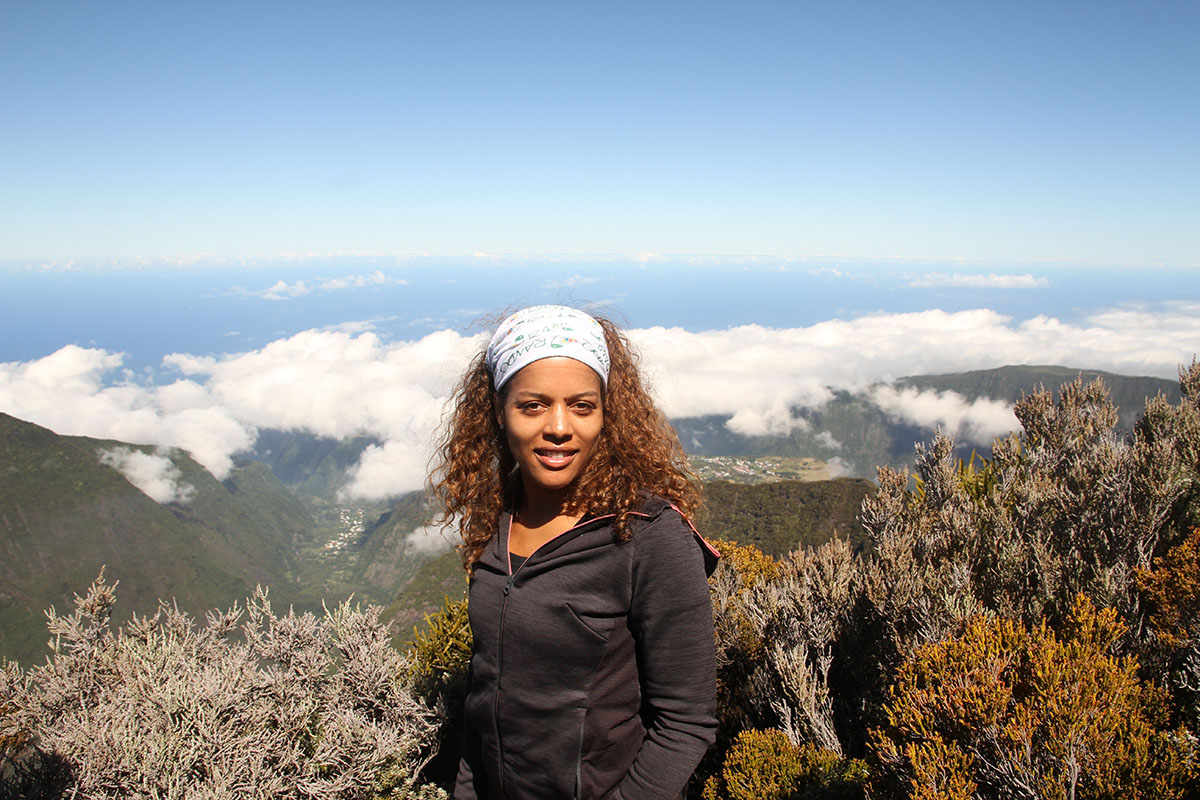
536 506
539 517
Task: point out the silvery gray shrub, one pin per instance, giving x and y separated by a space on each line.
248 705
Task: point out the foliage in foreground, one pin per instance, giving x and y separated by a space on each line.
971 589
1000 707
250 704
766 765
440 654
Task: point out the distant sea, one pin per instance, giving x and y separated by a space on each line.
220 307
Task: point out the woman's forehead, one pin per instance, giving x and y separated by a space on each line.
555 375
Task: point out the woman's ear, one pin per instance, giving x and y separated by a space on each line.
498 409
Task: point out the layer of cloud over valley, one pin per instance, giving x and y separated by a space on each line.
349 380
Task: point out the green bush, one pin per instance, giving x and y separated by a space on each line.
766 765
441 653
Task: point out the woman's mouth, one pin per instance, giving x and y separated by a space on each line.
554 459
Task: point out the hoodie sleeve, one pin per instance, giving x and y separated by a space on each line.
471 783
671 619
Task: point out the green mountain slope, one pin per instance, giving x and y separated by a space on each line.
310 465
1129 393
435 580
396 547
855 435
64 514
780 517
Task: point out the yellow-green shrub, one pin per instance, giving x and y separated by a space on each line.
749 563
1172 590
1001 707
766 765
439 654
443 647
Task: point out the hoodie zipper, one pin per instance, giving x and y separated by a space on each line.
508 585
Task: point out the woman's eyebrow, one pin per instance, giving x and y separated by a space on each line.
533 395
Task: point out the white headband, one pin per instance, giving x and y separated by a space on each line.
541 332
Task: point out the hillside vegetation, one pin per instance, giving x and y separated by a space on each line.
782 516
854 432
64 514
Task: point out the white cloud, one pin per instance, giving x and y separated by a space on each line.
72 369
980 421
991 281
282 290
829 440
155 475
347 381
376 474
66 392
338 383
430 539
775 420
376 278
571 282
647 256
838 467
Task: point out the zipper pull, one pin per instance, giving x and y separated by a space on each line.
508 584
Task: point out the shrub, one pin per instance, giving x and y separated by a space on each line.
441 654
1063 509
1173 591
443 648
1001 711
767 765
274 706
14 737
1066 508
774 640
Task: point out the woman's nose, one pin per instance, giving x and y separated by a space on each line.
558 422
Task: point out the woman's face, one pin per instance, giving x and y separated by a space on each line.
552 415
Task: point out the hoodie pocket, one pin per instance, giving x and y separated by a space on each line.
599 625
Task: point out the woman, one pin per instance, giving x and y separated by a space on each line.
592 672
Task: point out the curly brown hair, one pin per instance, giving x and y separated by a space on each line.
638 453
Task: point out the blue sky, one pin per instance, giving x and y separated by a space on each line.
1010 133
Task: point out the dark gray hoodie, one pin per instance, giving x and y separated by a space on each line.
593 673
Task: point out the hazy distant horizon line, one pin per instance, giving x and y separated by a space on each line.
765 258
